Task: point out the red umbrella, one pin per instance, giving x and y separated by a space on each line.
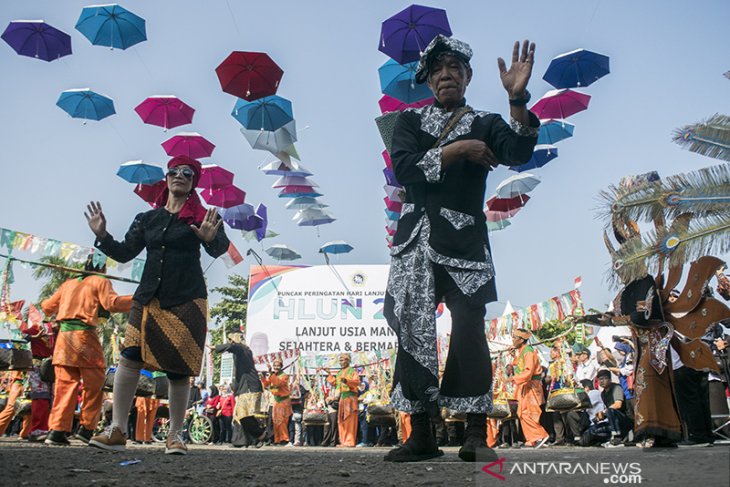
213 176
393 205
150 192
225 197
190 144
390 104
165 111
560 104
249 75
507 204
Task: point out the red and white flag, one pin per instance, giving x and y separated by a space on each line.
232 256
578 282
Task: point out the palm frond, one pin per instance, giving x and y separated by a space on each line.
710 138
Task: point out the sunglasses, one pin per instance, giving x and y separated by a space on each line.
176 171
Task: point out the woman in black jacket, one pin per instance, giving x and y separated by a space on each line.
168 320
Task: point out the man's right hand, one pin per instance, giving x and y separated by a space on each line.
96 219
473 150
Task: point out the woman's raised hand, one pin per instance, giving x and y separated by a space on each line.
209 227
96 219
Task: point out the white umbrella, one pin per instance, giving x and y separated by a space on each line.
304 202
517 185
294 181
275 141
282 252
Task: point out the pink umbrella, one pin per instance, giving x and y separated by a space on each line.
190 144
388 162
393 205
391 231
390 104
497 216
225 197
560 104
212 176
507 204
165 111
150 192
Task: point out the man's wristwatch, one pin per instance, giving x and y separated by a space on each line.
522 101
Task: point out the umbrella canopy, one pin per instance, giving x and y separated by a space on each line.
268 113
224 197
406 34
390 104
190 144
36 39
496 216
390 177
499 225
393 205
140 173
262 232
298 192
560 104
304 202
112 26
517 185
576 69
86 104
391 227
312 217
540 156
391 215
237 216
388 161
150 192
282 252
399 82
395 193
249 75
166 111
507 204
552 131
284 168
336 247
213 176
294 181
275 141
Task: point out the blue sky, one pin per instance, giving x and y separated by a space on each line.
667 60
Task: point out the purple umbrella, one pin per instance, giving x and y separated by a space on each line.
237 216
407 33
261 213
35 38
390 177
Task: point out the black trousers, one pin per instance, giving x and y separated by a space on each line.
331 434
577 421
226 423
693 399
468 369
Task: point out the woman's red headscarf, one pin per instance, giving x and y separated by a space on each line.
192 211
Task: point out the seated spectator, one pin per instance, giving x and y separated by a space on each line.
615 409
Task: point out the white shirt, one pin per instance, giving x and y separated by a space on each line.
596 403
586 371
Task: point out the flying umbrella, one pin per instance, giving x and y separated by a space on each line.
336 247
297 191
282 252
507 204
268 113
391 228
304 202
289 151
274 141
517 185
282 168
395 193
495 226
399 81
294 181
388 161
406 34
262 231
165 111
140 173
190 144
312 217
390 177
552 131
150 192
86 104
112 26
390 104
576 69
212 176
392 215
36 39
560 104
249 75
540 156
253 235
225 197
236 216
393 205
496 216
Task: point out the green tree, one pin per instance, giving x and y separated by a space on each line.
53 277
229 314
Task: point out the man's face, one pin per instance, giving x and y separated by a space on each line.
517 341
448 78
583 357
604 382
278 365
344 361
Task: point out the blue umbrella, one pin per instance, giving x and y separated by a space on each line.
309 194
239 217
552 131
112 26
335 247
268 113
399 81
86 104
35 38
138 172
392 215
576 68
540 156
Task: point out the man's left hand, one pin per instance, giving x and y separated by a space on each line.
516 77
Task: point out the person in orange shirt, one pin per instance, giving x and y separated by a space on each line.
346 383
528 388
15 390
278 383
77 356
146 412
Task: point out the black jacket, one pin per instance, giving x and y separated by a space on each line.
455 203
245 377
172 271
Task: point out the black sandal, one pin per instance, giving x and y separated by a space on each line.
407 453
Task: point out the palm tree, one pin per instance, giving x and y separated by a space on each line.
53 276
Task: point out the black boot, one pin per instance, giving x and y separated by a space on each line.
421 445
475 440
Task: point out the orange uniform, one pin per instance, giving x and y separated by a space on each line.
146 412
405 426
278 384
78 355
347 392
15 390
528 391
